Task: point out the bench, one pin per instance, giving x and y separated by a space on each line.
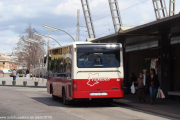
175 93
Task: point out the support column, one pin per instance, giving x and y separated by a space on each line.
164 68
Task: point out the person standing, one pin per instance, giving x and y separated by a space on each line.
27 72
153 84
132 79
14 74
141 88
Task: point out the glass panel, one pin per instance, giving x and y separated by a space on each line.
98 56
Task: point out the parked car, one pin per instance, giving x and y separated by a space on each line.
1 72
7 71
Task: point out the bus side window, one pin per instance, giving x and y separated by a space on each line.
55 75
61 75
64 75
67 75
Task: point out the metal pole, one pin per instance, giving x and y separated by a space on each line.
39 69
32 66
42 70
88 18
47 54
32 72
35 72
115 13
171 7
78 25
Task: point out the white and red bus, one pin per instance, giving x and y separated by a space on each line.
86 70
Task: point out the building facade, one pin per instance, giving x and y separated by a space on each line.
7 63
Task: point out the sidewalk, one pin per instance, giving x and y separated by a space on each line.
19 81
167 107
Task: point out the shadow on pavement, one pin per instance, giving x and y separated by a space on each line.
75 104
94 104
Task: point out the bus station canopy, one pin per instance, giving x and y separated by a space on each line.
146 32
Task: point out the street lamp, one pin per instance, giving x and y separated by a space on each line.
57 29
31 40
47 37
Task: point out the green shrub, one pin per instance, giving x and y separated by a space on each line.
20 71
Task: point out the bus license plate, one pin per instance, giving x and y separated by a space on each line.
98 94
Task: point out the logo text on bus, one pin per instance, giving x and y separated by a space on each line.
93 79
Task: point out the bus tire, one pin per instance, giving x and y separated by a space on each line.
65 102
50 88
53 96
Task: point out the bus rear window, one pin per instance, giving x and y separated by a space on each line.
98 55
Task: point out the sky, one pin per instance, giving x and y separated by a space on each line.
15 15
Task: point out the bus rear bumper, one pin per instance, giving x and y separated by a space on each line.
101 94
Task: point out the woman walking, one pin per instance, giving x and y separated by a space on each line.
14 73
141 88
153 83
132 79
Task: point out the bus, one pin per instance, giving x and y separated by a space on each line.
86 71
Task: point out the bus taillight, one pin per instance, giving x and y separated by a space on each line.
122 83
75 85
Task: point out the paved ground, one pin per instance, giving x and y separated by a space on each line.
28 101
170 107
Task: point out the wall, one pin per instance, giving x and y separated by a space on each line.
175 50
9 65
136 61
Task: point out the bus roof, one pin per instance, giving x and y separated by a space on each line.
78 42
72 43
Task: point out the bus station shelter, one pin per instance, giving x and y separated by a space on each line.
152 45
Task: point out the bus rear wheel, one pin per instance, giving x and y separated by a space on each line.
65 102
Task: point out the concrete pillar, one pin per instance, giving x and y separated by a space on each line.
164 67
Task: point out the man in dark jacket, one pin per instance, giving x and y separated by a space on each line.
27 71
132 79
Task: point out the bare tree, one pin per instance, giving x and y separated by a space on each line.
31 52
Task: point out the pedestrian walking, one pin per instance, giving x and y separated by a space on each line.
27 73
14 73
153 84
141 88
132 79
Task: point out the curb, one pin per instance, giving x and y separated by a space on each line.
149 110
